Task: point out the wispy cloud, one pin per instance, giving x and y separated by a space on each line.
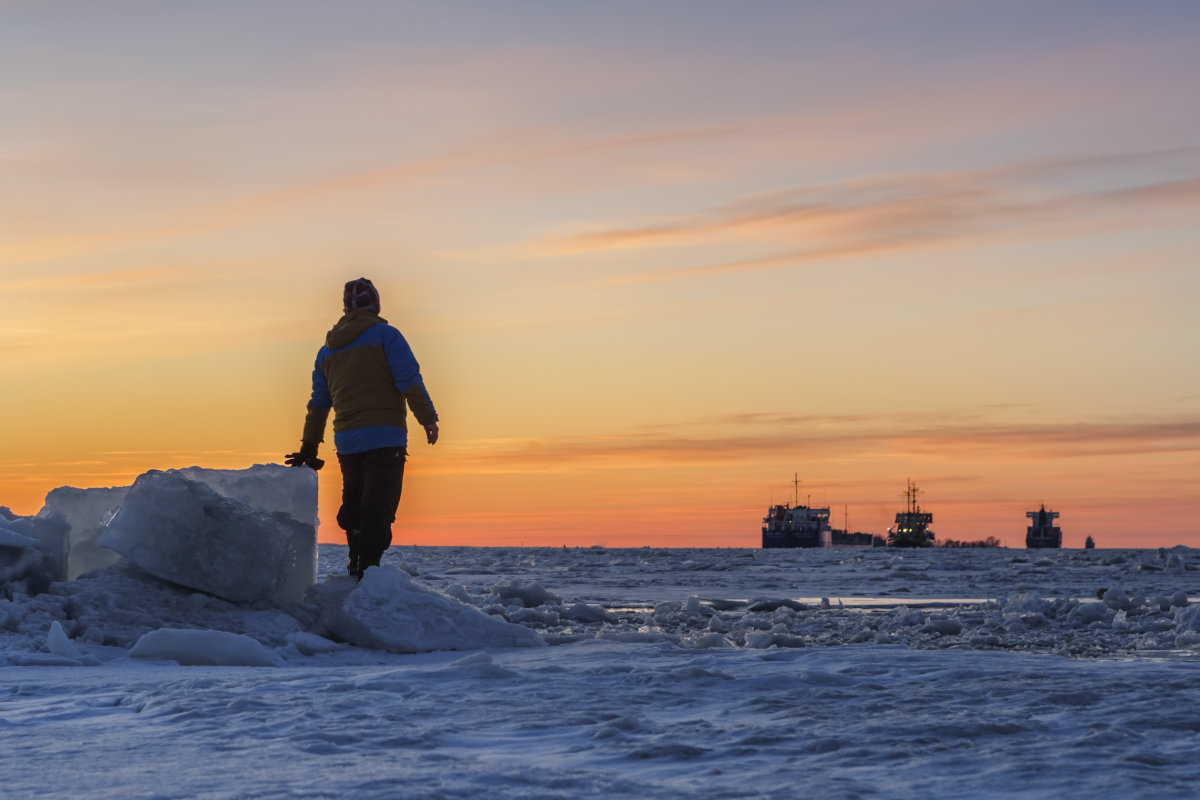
90 281
901 213
755 437
302 197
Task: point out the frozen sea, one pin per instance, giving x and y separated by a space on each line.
658 673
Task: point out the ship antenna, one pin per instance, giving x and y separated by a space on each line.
796 483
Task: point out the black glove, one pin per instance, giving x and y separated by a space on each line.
307 457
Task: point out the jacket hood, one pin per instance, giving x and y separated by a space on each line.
350 327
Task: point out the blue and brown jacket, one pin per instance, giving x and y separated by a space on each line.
366 372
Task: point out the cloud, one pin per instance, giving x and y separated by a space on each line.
888 214
1185 192
90 281
753 437
301 199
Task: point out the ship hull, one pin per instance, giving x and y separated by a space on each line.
908 542
842 539
773 539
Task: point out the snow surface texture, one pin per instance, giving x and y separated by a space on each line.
670 673
183 531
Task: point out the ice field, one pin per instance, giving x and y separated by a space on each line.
511 672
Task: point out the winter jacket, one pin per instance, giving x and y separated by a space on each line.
366 372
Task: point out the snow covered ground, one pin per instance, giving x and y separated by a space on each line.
634 673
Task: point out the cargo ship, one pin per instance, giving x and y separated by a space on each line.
799 525
1043 532
796 525
912 524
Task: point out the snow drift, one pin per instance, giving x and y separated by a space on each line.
202 648
390 611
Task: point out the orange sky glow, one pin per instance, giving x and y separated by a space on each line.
654 259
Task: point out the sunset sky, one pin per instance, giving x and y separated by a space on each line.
654 258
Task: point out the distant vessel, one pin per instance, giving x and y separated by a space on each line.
1089 544
1043 532
796 525
912 524
846 539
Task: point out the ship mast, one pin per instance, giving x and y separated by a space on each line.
911 494
796 483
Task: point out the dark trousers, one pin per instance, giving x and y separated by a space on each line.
371 486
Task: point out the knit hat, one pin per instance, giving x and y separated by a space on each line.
360 295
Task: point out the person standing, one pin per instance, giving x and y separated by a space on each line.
367 374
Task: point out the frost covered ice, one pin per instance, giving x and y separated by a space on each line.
216 567
264 487
84 512
202 648
72 520
33 551
184 531
390 611
23 563
597 673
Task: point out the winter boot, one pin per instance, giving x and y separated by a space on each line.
368 560
354 566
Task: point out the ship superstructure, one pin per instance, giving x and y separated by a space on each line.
912 524
1042 532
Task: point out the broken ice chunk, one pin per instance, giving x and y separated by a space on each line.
183 531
